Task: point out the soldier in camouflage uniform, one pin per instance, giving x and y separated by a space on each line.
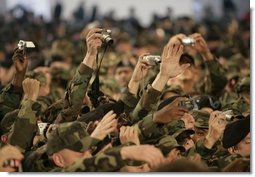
236 140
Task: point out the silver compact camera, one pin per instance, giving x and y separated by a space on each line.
188 41
152 60
25 44
106 37
229 115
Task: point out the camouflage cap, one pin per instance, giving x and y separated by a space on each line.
40 76
167 143
71 135
201 118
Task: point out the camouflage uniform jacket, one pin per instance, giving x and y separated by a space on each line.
150 132
147 103
25 126
215 80
10 97
68 109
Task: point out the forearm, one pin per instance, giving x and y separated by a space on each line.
25 126
10 98
75 93
130 101
147 104
159 82
18 79
133 87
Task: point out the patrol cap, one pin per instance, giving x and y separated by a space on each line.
70 135
235 132
167 143
201 118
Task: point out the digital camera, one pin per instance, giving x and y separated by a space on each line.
106 37
152 60
188 41
229 116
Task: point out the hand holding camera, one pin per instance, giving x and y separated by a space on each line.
201 46
170 66
216 128
31 88
93 40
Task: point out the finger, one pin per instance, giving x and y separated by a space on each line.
94 30
184 67
107 115
94 36
180 51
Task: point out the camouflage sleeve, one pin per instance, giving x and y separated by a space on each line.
108 161
10 98
147 104
129 101
24 126
215 78
75 94
205 153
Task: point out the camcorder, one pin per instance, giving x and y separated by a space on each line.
106 37
152 60
22 45
188 41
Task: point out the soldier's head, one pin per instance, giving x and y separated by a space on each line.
67 143
236 137
123 72
170 147
201 124
183 137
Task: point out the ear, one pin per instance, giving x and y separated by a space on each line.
231 150
58 160
4 139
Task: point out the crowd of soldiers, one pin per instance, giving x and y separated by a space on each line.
111 110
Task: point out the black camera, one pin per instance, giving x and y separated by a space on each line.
106 37
190 104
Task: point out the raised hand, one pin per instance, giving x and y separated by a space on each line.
20 61
201 46
31 88
216 128
94 42
141 70
129 134
170 66
107 125
170 112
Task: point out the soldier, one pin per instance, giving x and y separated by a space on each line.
11 95
236 140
